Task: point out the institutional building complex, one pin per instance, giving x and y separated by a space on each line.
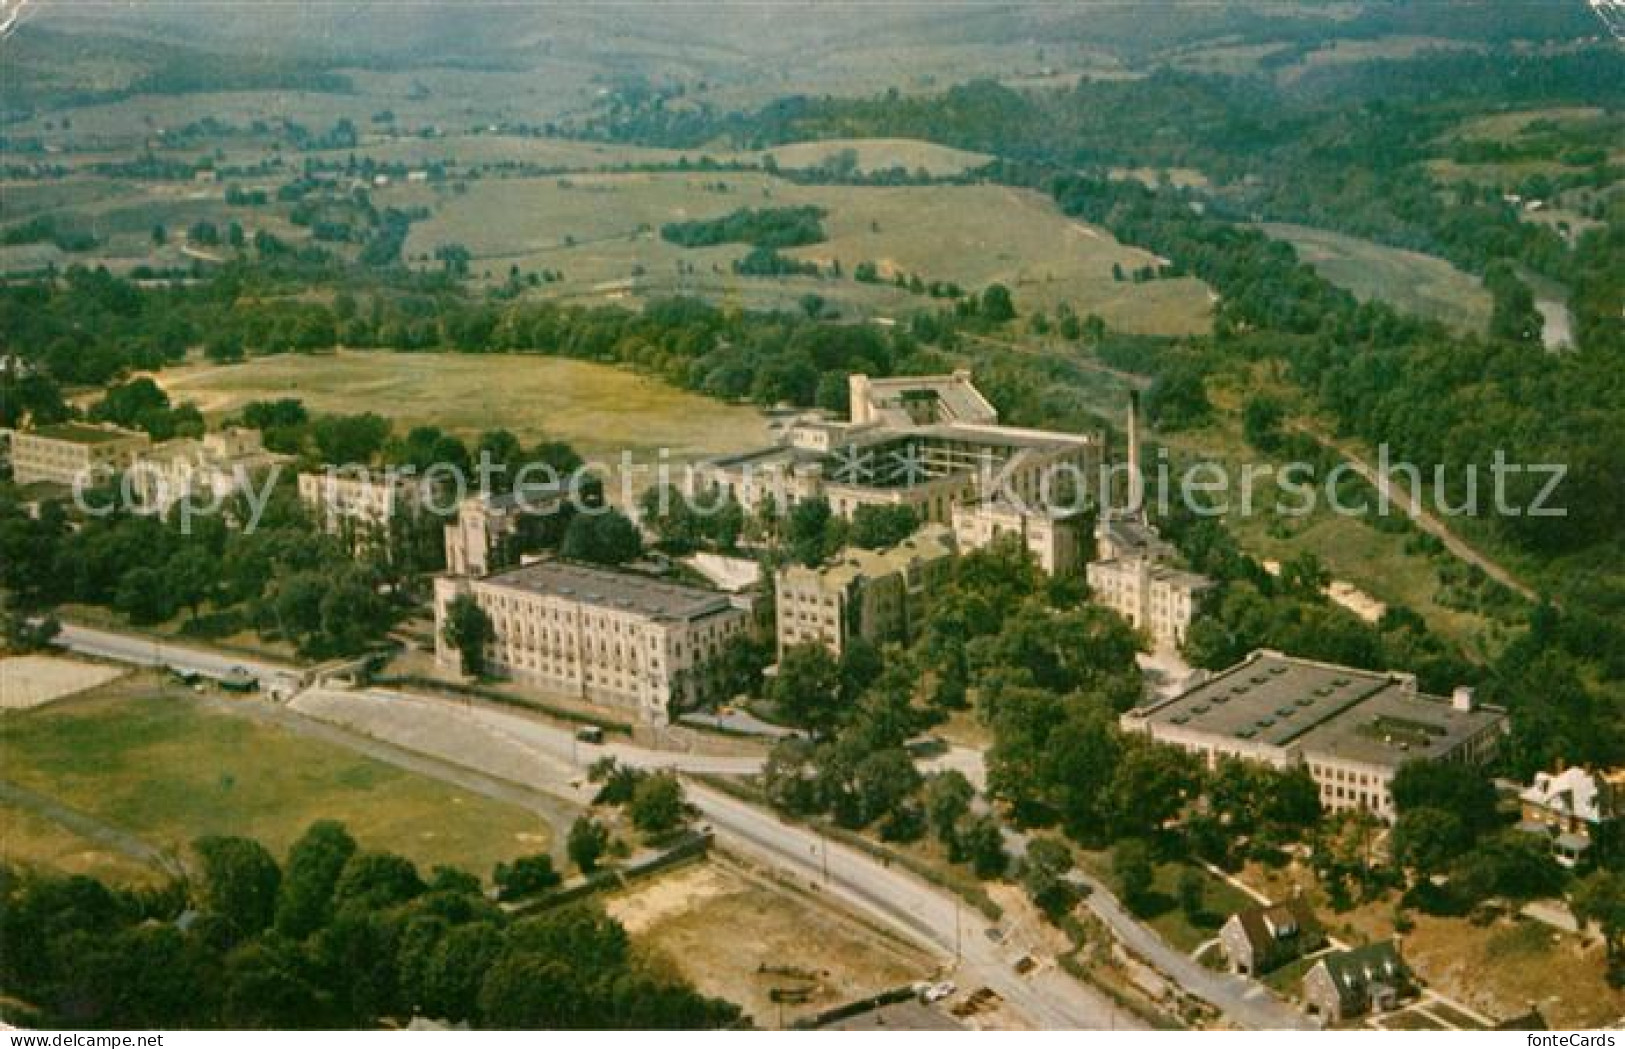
1352 729
213 466
877 595
488 530
361 505
62 453
642 645
927 442
1055 539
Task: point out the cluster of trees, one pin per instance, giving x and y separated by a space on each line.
333 937
771 228
284 579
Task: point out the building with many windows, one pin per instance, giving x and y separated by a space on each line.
488 532
926 442
1131 573
878 595
363 507
64 452
641 645
204 469
1054 538
1351 729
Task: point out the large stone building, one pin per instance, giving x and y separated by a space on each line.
927 442
1579 811
488 532
1054 538
1131 573
362 506
612 638
1352 729
64 452
212 467
878 595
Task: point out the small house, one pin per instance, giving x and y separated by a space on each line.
1346 984
1266 937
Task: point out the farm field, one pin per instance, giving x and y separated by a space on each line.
168 767
1411 281
599 409
601 231
767 946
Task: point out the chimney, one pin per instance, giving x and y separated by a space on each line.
1462 699
1136 483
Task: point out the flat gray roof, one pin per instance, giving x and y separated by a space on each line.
1357 715
605 588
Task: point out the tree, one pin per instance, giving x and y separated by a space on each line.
468 630
1043 875
1461 790
1132 869
1600 897
350 440
997 307
812 532
657 804
588 841
525 876
981 841
240 881
191 573
525 992
878 527
145 595
947 799
807 689
604 537
1425 840
305 902
883 780
1191 890
377 881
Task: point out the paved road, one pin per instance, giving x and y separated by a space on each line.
554 763
557 762
128 648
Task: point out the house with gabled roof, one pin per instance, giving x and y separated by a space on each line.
1259 939
1346 984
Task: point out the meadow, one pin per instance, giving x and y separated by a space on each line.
597 408
601 232
168 767
1409 280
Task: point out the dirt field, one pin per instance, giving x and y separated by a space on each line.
31 681
601 231
740 936
169 767
599 409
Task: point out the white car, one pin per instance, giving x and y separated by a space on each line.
937 992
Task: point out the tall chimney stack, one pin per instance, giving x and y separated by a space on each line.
1136 483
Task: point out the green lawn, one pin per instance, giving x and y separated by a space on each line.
1411 281
169 767
599 409
602 232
